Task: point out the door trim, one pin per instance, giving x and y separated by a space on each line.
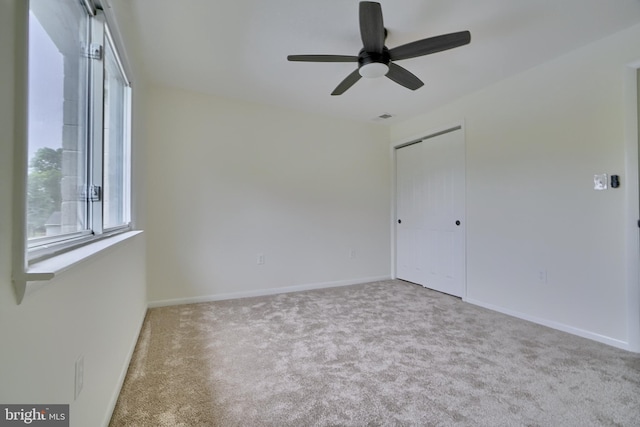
632 195
429 133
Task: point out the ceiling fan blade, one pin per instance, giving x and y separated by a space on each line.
403 77
347 83
323 58
430 45
371 26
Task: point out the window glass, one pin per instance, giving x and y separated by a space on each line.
57 117
115 208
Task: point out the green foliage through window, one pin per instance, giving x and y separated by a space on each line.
44 194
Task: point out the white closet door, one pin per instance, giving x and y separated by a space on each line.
409 214
430 237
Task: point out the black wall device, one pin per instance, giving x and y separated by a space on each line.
615 181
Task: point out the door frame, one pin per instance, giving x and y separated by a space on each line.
429 133
632 196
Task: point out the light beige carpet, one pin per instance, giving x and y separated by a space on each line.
386 353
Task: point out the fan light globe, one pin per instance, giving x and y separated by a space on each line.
373 70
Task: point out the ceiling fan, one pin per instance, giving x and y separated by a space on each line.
376 60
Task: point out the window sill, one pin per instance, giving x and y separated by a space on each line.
38 274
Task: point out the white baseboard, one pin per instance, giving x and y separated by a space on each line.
264 292
555 325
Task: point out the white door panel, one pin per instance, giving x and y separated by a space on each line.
410 190
430 246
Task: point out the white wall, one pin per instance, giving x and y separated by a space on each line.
229 180
94 310
534 142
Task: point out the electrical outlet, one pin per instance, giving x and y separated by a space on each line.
352 253
260 259
79 376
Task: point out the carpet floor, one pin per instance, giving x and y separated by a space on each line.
377 354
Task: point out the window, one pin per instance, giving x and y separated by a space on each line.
116 137
78 171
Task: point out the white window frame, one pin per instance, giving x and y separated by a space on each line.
38 260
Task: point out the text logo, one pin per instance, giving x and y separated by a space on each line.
34 415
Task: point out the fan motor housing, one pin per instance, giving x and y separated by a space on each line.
365 57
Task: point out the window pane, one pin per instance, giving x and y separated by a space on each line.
116 170
58 32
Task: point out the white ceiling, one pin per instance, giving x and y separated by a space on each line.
239 48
